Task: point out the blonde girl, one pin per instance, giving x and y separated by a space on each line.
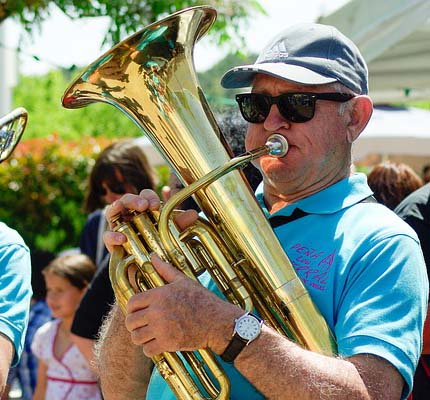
63 372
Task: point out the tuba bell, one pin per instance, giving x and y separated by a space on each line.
150 77
12 126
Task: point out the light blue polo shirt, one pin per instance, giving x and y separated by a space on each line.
15 288
360 265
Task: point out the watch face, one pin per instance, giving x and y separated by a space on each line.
248 327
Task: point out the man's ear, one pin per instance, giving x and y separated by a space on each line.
360 115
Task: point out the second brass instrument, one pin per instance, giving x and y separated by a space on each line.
12 126
150 77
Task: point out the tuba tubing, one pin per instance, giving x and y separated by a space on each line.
150 77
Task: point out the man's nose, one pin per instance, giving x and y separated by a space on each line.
275 120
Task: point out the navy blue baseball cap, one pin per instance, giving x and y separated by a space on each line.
308 54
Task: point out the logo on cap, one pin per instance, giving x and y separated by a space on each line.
277 52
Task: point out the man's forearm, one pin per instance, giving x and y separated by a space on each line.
123 369
282 370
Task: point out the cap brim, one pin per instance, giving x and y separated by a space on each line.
243 76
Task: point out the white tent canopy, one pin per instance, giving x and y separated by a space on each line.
394 38
395 131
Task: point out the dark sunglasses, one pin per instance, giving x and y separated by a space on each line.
294 107
117 188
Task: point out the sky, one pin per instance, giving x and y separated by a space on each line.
63 42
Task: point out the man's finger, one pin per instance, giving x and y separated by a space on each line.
167 271
147 199
185 219
112 239
151 197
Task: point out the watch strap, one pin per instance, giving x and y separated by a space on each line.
233 349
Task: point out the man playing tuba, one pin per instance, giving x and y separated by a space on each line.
361 264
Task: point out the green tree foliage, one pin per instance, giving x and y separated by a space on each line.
129 16
210 80
41 96
43 192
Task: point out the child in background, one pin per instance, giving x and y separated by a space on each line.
63 372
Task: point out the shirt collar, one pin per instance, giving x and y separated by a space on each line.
342 194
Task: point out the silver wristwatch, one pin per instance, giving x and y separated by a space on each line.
246 329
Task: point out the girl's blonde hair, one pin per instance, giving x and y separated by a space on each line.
78 269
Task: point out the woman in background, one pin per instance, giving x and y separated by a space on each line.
121 167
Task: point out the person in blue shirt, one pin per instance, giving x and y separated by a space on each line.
26 371
15 296
15 265
361 264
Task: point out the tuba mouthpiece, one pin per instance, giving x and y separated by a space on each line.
277 145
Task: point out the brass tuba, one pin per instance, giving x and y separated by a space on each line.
150 77
12 127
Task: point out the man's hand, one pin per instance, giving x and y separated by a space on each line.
146 200
180 316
